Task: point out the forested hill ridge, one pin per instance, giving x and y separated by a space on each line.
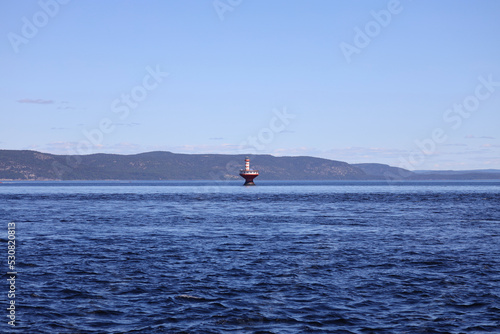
33 165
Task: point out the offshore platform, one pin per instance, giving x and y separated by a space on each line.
248 174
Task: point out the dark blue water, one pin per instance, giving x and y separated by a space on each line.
282 257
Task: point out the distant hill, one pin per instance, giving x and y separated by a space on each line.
480 174
395 173
388 172
457 172
32 165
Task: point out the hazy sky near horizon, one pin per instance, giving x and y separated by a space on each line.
414 84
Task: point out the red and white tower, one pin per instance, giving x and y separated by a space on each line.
248 174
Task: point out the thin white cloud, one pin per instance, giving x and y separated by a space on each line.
74 147
36 101
65 105
127 124
59 147
456 144
478 137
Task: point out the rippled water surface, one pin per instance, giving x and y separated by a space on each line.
280 257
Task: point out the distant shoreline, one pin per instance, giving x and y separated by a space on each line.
26 165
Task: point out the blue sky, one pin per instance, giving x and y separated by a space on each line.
414 84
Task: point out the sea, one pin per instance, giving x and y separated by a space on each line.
278 257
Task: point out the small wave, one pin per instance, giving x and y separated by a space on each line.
189 297
106 312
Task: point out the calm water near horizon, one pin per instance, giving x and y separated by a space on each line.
280 257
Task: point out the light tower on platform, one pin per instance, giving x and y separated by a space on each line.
248 174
